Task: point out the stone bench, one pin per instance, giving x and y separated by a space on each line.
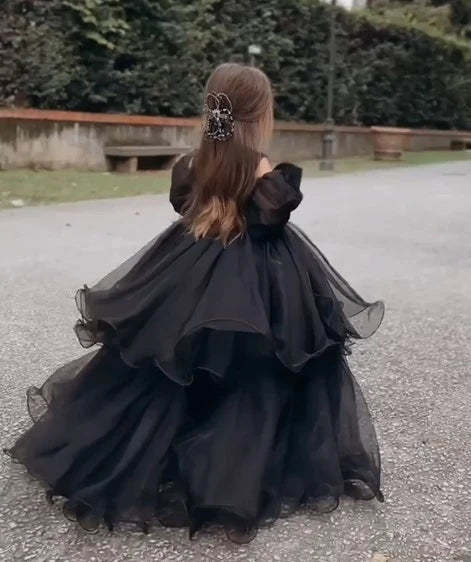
130 159
461 144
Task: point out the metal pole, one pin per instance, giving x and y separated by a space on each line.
327 162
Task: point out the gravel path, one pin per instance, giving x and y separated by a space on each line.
403 235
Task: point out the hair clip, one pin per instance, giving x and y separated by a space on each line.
219 120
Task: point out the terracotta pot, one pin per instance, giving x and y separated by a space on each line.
390 142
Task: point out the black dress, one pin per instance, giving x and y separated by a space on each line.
220 392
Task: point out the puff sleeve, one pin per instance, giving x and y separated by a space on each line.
274 197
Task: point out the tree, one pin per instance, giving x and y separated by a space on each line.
154 56
36 58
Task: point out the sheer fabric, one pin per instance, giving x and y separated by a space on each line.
221 392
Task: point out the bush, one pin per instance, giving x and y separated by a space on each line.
409 78
153 56
461 16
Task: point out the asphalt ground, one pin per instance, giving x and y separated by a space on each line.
402 235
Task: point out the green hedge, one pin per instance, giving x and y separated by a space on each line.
153 56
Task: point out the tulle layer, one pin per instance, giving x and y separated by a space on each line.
179 303
131 445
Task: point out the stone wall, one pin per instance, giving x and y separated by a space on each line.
55 140
60 139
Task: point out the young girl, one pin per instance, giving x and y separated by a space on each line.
221 392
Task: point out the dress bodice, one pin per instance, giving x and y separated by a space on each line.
275 195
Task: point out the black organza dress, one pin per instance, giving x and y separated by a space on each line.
220 392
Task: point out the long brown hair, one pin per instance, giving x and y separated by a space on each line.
224 171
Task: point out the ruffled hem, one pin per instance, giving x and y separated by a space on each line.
175 513
91 332
167 479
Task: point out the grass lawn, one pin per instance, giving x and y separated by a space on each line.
362 164
36 188
26 187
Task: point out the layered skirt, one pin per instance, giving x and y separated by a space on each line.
219 393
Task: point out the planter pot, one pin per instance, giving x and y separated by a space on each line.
389 142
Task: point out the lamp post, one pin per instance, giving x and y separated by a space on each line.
254 50
328 138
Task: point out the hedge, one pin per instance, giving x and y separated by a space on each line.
153 57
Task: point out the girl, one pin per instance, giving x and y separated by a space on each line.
221 392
